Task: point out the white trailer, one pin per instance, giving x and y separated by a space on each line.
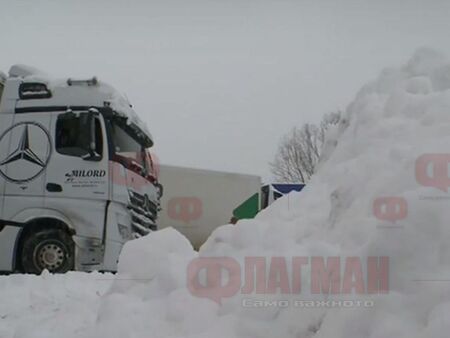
197 201
75 180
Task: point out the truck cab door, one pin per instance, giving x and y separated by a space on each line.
77 184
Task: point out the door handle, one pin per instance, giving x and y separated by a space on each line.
53 187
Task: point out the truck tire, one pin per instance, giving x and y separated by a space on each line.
51 249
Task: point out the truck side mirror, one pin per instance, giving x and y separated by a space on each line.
89 124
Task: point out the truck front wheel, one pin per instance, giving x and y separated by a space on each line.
50 249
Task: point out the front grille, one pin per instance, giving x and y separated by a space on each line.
143 214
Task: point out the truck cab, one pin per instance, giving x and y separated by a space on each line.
76 181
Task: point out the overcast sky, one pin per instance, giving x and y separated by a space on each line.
219 82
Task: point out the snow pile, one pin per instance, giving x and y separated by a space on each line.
149 296
47 305
397 122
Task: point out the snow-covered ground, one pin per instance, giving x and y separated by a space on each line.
395 132
49 305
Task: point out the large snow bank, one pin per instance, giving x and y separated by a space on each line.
391 127
396 126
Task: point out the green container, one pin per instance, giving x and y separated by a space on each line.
247 209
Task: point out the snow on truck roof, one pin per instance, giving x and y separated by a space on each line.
71 92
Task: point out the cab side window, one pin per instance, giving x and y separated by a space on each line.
72 136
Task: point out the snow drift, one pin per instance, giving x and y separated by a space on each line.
394 122
391 146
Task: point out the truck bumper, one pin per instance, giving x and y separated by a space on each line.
92 255
89 253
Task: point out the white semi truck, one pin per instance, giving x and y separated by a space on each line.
76 182
197 201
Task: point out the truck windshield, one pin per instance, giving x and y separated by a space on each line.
127 150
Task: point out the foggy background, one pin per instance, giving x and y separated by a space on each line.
219 82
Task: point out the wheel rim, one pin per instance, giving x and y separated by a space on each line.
50 255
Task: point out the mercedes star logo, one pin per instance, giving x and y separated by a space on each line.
29 159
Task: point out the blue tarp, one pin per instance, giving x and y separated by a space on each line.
287 188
